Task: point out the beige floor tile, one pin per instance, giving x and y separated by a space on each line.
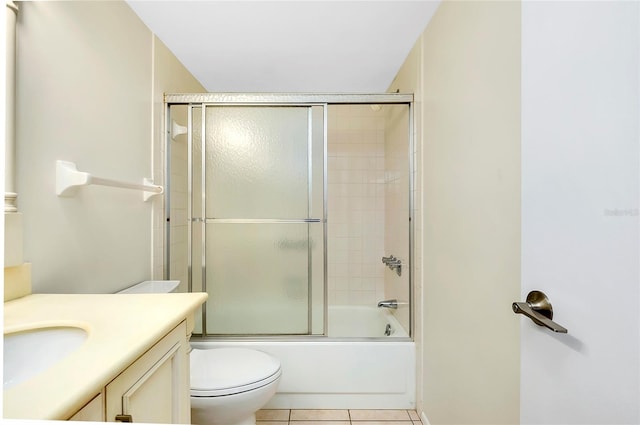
272 422
383 423
379 415
273 415
417 422
319 415
320 423
413 415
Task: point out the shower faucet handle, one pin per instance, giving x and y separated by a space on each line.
393 263
387 260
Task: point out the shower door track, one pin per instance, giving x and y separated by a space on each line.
286 99
258 220
221 99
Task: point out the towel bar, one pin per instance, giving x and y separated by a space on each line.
68 179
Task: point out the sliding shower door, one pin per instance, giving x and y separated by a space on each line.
258 217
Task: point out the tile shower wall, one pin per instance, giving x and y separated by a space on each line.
396 238
178 236
356 204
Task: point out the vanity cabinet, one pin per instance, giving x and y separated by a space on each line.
134 365
92 411
155 388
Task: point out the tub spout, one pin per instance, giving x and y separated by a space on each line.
388 304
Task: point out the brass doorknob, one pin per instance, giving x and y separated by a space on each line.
538 308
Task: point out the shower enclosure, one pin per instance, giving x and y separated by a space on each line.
283 207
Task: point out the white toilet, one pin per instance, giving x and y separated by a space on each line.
229 385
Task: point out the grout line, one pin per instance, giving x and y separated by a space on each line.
289 420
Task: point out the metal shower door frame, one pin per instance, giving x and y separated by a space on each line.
203 100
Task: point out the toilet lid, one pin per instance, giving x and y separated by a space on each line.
225 371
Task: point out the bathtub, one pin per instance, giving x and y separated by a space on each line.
355 367
363 322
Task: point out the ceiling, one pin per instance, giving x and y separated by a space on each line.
289 46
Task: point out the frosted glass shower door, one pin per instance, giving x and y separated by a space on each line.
263 210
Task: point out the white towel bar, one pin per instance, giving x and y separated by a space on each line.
68 179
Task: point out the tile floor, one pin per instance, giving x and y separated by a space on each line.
337 417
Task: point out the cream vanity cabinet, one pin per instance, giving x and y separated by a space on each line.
154 389
92 411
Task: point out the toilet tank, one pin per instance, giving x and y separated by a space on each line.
152 287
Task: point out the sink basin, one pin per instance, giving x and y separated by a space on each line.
30 352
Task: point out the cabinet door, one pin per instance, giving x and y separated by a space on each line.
92 411
154 389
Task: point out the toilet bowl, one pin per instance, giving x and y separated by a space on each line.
229 385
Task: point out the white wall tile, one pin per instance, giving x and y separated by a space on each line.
356 231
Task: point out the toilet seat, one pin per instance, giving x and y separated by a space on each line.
226 371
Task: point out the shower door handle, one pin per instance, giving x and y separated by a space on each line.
538 308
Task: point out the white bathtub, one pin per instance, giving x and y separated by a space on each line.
343 370
361 321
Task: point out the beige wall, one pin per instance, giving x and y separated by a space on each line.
89 82
468 100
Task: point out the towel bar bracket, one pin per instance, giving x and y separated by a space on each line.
69 179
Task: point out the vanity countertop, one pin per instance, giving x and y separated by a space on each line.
120 327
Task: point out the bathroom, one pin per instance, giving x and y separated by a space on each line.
103 94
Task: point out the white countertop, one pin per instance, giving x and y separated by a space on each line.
121 327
